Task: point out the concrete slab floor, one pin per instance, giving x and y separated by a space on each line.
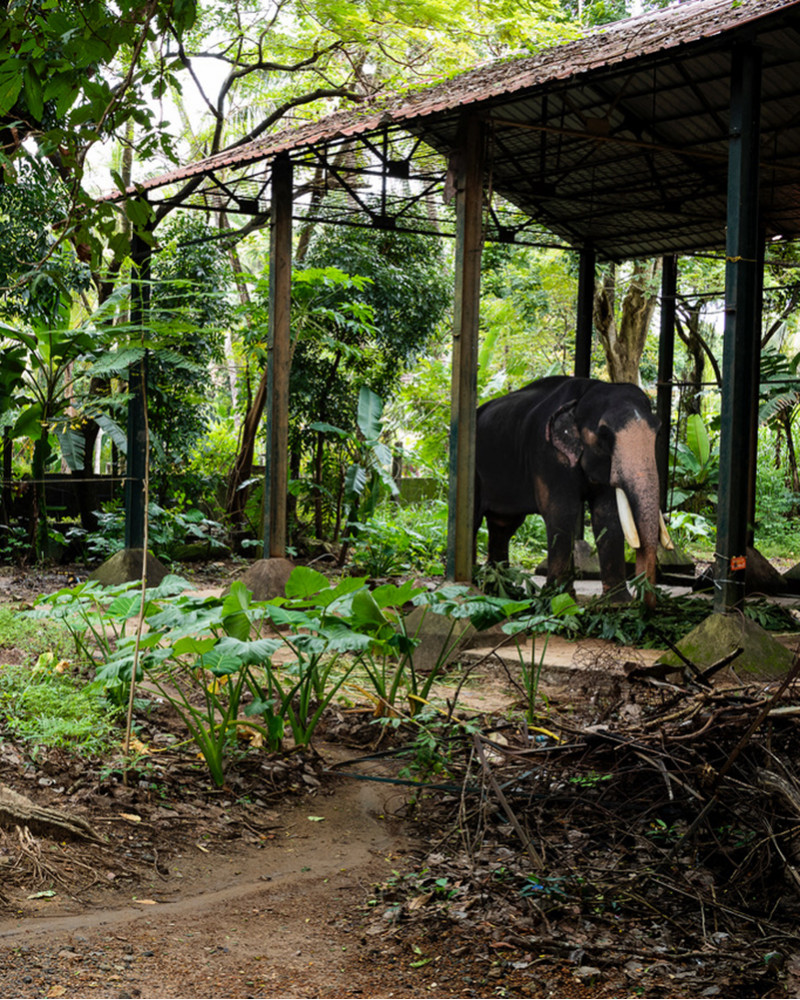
595 664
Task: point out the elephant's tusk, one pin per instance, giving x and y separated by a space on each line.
626 520
666 541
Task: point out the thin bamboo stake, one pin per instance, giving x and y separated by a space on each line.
140 619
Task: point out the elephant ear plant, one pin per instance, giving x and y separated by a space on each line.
209 657
272 667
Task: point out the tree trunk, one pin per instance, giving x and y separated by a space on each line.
690 335
793 477
236 496
242 469
623 338
319 450
5 494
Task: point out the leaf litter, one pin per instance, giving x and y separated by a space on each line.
644 845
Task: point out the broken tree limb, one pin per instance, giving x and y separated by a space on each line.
17 810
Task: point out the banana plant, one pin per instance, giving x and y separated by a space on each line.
40 361
696 463
369 473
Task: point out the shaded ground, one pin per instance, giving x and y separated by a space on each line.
653 850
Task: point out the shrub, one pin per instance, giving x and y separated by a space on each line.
168 527
403 539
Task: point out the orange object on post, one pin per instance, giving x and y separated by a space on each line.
738 562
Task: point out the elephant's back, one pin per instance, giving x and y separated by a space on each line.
533 403
510 433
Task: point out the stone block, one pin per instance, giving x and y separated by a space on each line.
126 565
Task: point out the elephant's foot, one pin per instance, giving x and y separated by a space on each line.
562 584
616 594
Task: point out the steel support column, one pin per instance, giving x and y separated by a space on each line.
136 464
584 324
276 477
666 360
755 384
741 329
467 164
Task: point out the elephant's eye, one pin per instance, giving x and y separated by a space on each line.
605 439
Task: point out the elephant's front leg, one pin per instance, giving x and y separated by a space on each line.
610 543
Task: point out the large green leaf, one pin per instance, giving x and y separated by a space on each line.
113 430
253 652
366 611
29 423
325 428
192 644
341 639
126 606
355 482
235 619
370 412
73 446
222 662
389 595
305 582
12 369
697 438
10 87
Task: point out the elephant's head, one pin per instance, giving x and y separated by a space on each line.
610 432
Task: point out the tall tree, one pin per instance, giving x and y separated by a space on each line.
622 326
71 75
349 332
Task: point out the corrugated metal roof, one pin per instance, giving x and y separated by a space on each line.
619 138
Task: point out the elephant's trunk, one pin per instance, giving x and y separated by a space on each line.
634 474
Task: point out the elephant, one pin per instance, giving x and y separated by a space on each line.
558 442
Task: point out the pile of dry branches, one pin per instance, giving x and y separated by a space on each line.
676 820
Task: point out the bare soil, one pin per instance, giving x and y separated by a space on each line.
603 865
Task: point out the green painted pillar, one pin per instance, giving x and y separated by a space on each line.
585 312
742 286
666 361
137 457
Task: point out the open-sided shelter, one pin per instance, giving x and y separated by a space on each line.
672 132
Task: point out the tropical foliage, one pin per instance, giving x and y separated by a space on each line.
95 95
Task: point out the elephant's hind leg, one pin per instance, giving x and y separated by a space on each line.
501 528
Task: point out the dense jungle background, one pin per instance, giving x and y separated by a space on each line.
528 807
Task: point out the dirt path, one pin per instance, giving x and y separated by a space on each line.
260 889
270 920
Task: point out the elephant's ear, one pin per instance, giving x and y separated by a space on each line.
562 433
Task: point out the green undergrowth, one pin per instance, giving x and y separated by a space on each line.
273 667
671 619
29 638
44 699
633 624
46 708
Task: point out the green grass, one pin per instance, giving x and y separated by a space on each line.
31 638
43 699
49 709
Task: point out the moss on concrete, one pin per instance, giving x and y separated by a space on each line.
197 551
126 566
763 657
